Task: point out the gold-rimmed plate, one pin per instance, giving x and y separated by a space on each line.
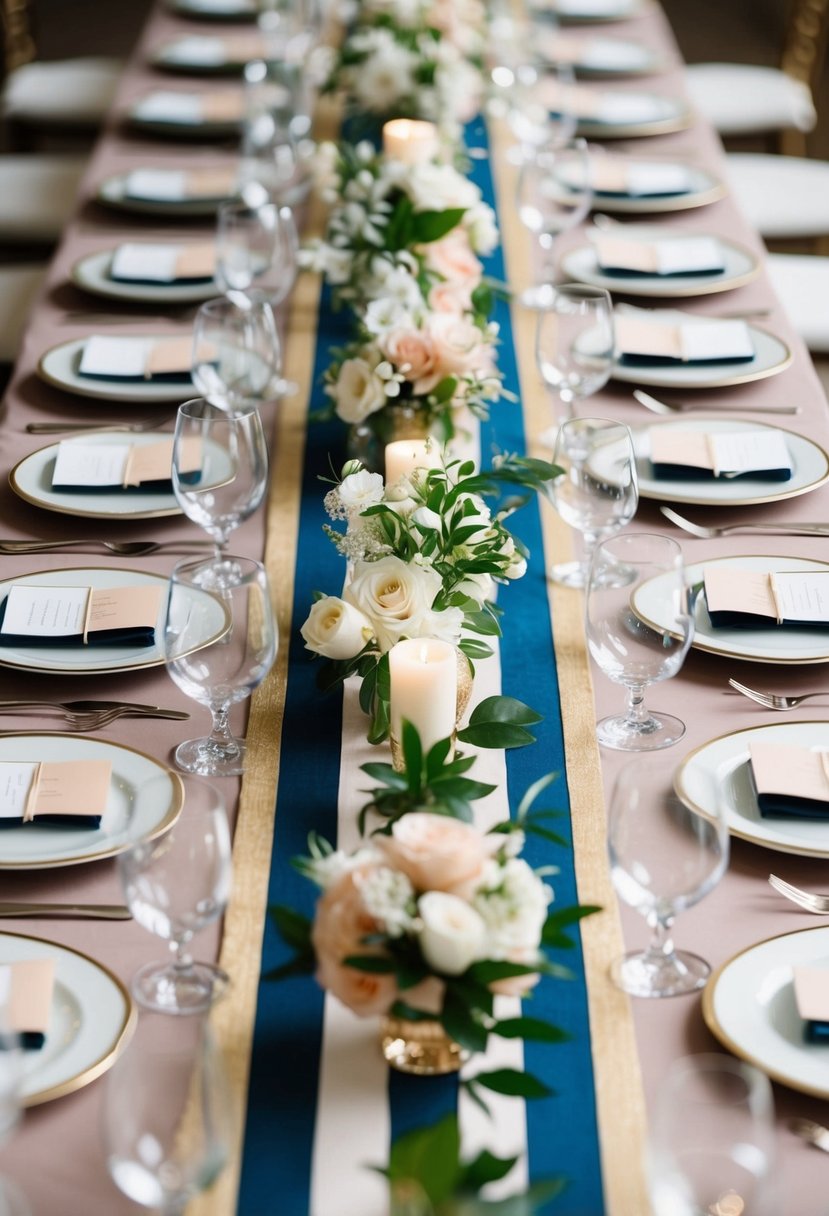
717 774
92 660
91 1020
740 266
749 1005
702 187
145 799
599 55
653 604
660 115
93 273
59 367
209 54
771 356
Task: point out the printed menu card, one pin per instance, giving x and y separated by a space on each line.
123 466
762 599
790 782
73 793
811 994
762 454
179 185
163 263
26 989
136 358
36 615
667 256
646 338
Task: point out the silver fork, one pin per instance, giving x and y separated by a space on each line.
710 533
656 406
819 904
775 700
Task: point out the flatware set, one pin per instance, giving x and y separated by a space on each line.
707 532
92 715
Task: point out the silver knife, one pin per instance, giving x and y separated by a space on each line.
79 911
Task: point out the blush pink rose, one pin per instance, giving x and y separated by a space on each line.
340 924
459 349
455 298
437 853
453 259
411 350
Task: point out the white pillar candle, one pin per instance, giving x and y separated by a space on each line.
405 455
423 674
410 141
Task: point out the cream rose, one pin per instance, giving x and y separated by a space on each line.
395 596
340 925
437 853
453 934
454 298
335 629
358 391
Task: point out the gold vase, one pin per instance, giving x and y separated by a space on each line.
422 1048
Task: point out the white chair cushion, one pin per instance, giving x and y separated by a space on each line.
18 287
802 283
37 195
741 99
62 91
781 196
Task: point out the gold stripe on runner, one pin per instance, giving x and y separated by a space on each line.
619 1094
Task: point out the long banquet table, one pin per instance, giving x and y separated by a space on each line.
608 1077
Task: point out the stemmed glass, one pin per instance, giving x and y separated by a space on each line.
237 355
712 1147
166 1117
256 247
664 857
574 344
632 574
175 885
539 107
233 477
597 492
231 664
554 194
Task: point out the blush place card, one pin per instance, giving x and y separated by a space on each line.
67 792
26 989
113 466
179 185
136 358
146 263
173 106
670 256
645 339
758 599
762 455
790 782
811 994
36 615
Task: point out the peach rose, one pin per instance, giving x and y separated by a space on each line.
455 298
437 853
452 258
340 924
459 350
411 350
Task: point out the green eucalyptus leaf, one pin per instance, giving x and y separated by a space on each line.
533 1029
293 927
372 964
484 1168
496 735
430 1156
513 1083
428 226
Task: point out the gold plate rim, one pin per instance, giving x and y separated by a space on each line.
638 9
651 204
636 130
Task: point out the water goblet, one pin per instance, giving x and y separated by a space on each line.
166 1116
230 664
574 344
540 110
256 247
175 885
233 477
629 574
712 1144
554 194
597 492
664 857
237 355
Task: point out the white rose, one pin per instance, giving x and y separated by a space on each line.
358 392
453 934
360 490
439 187
335 629
396 597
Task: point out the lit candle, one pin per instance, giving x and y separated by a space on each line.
410 141
423 674
405 455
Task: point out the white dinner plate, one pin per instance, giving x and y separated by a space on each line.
92 273
216 10
576 12
91 1020
601 56
145 799
740 266
771 356
177 128
810 468
202 55
718 774
703 188
59 367
749 1005
91 660
652 604
665 114
112 192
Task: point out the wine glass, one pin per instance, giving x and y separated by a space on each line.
638 572
597 492
167 1114
237 355
712 1144
540 110
257 247
236 617
664 857
175 885
233 476
574 344
554 194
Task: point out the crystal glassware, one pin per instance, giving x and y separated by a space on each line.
712 1144
175 885
235 616
664 857
574 345
554 194
629 649
166 1118
540 110
597 492
237 356
256 247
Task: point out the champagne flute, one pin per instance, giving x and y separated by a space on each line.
554 194
233 476
574 342
628 649
237 355
234 661
167 1114
256 247
175 885
597 492
664 857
